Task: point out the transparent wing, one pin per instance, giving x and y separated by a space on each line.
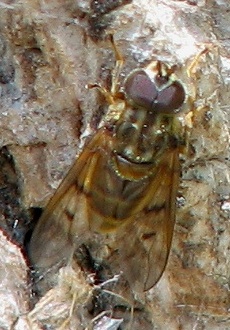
144 243
64 222
138 214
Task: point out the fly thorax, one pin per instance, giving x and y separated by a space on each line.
140 136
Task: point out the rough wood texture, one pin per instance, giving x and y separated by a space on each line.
49 52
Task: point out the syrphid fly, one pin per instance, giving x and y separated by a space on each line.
123 186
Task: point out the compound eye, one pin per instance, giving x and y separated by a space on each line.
170 98
140 89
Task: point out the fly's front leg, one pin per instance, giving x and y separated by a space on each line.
191 73
118 67
191 70
111 95
191 100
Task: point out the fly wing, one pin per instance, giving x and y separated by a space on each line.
64 223
138 215
144 243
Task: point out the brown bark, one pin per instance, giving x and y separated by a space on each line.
49 52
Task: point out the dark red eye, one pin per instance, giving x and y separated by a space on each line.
158 95
140 89
170 98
